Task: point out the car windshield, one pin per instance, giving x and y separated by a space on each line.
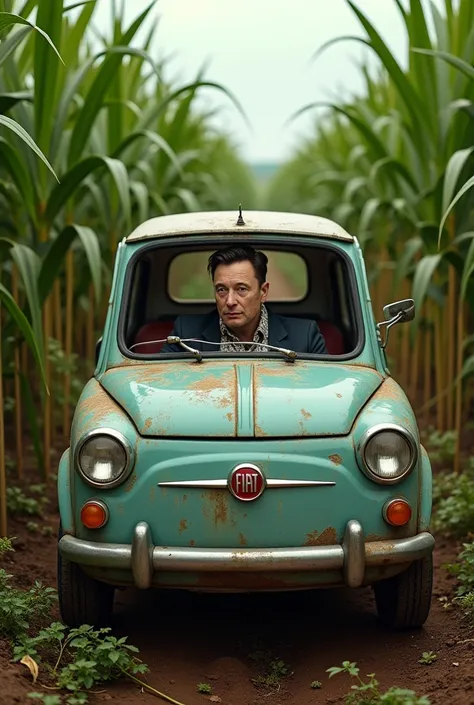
173 307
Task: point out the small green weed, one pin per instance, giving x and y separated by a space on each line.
368 693
428 657
316 685
83 657
275 672
19 504
204 688
441 447
32 527
453 503
464 572
5 546
20 608
464 569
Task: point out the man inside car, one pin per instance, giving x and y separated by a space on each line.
239 276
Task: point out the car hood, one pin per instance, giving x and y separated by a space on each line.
242 399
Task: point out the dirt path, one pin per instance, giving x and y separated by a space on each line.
226 641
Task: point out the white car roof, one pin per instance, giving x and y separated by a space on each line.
219 222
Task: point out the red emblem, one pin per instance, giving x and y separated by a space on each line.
246 482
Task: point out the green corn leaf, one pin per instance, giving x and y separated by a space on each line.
10 159
69 183
9 100
365 129
455 61
28 265
468 271
142 198
46 70
79 4
155 139
18 130
403 265
424 272
27 332
453 171
8 45
54 258
406 90
464 189
8 18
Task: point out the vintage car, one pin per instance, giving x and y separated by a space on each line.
244 471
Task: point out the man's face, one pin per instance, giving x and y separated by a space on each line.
239 296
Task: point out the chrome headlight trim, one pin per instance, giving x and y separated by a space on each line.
373 431
128 450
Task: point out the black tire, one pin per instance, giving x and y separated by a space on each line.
83 600
404 601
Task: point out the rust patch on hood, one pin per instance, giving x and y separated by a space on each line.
183 525
336 459
217 501
148 423
328 537
98 405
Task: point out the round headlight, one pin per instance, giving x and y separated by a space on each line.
104 458
388 454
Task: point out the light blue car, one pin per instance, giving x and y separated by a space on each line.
224 471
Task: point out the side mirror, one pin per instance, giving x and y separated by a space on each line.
397 312
405 307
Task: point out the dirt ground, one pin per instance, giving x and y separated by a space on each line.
227 641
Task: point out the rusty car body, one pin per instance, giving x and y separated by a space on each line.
236 472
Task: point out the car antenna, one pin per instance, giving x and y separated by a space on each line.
240 220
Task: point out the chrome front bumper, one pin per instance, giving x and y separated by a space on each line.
142 558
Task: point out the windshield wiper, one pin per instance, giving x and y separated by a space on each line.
291 355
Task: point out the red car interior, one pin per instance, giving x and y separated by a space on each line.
158 330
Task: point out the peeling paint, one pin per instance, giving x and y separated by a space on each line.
328 537
306 414
242 540
219 503
336 459
183 525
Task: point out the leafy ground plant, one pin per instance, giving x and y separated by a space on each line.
369 693
82 658
464 572
19 504
441 447
453 503
19 609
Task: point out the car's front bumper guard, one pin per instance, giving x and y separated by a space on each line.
142 558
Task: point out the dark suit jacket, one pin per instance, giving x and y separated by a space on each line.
296 334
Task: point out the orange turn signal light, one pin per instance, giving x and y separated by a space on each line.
94 514
397 512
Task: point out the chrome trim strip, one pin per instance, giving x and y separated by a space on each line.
220 484
142 558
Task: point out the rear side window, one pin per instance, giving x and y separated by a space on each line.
188 279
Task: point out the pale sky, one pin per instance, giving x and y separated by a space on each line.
260 50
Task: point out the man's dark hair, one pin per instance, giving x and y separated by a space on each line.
240 253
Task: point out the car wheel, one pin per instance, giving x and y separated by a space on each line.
83 600
404 601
